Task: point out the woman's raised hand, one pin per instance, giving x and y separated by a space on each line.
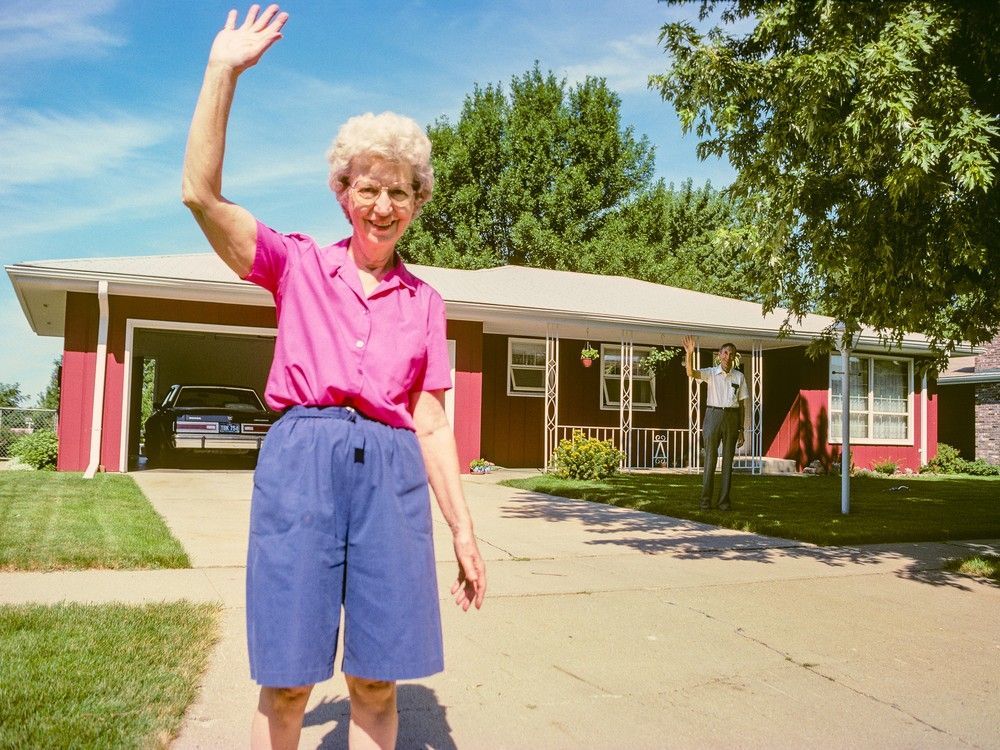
240 47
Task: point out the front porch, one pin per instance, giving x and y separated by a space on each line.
632 390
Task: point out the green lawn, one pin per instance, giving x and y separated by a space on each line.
108 676
51 521
930 508
980 566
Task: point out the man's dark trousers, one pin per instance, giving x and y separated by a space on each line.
720 425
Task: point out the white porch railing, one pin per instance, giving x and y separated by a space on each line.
648 447
655 448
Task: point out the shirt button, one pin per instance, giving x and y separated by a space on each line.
359 343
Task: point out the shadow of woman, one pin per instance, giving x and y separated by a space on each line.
422 720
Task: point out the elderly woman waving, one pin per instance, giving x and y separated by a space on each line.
340 516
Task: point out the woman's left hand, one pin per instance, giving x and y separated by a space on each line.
470 586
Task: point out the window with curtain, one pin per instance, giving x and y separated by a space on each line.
525 367
643 384
881 407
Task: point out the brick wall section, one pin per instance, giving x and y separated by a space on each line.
988 406
988 422
990 359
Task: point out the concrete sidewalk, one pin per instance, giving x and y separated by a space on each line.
611 628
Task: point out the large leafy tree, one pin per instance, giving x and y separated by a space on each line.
545 175
676 236
528 177
865 140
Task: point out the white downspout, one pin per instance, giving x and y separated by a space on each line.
97 418
923 420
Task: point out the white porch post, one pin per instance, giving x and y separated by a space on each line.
694 416
551 395
625 402
757 409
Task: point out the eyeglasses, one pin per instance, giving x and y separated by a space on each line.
366 193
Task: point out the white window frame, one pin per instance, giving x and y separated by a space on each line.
638 352
835 415
513 390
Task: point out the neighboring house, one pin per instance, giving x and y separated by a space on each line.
970 404
515 337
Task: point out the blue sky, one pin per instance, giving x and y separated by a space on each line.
96 98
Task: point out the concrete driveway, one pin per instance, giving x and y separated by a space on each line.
611 628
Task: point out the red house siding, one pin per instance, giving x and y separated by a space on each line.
797 417
488 422
513 426
782 402
468 337
76 400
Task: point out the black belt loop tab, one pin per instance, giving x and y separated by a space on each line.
359 455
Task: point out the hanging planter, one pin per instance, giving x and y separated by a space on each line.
588 354
657 357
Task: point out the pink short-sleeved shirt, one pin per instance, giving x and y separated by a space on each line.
335 347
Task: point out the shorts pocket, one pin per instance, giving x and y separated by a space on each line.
274 487
410 484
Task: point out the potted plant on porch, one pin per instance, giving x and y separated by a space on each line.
588 354
481 466
657 357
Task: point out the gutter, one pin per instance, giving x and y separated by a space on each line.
990 376
97 417
494 313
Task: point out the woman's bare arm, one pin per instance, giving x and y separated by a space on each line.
230 229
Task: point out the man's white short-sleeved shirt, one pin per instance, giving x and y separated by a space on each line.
725 389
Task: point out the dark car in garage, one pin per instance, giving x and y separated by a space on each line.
206 418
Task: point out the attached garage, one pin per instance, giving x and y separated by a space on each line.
207 354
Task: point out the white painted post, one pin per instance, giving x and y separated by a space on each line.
845 433
923 420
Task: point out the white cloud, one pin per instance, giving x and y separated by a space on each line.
625 63
32 30
40 148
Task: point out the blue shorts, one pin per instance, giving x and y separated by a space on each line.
340 517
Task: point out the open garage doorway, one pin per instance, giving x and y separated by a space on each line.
160 354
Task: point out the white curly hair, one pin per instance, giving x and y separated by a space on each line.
387 136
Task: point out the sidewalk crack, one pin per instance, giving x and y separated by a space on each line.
585 681
813 669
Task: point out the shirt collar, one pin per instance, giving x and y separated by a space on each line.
398 275
335 255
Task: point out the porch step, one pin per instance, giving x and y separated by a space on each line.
779 466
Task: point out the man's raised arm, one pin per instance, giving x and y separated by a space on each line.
230 229
689 347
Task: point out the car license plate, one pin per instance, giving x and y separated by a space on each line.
229 428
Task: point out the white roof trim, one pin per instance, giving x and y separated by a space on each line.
508 298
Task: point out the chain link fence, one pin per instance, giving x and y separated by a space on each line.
15 422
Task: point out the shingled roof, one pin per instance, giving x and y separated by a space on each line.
512 299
